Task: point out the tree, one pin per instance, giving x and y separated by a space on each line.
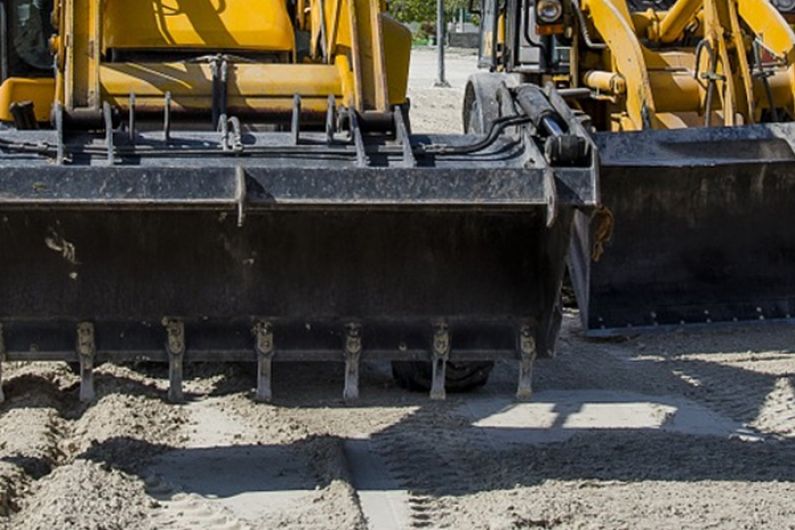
424 10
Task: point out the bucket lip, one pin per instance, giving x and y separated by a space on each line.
698 147
251 188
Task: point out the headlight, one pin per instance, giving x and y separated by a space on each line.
549 11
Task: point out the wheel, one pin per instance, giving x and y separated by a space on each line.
459 377
481 107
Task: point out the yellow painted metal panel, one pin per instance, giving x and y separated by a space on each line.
397 42
190 84
198 24
17 90
82 53
612 21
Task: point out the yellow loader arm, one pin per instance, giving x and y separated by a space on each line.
725 61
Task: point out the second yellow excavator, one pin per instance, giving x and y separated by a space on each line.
690 103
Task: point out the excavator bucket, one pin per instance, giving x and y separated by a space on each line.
703 230
342 245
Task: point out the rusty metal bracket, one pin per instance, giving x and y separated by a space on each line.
439 356
527 356
550 195
353 354
240 195
263 346
86 350
175 347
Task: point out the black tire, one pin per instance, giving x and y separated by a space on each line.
459 377
74 367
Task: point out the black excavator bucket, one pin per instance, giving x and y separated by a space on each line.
703 230
282 246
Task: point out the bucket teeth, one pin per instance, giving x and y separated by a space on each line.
527 355
2 358
439 356
353 354
263 345
175 347
86 350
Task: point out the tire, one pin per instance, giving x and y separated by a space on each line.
74 367
459 377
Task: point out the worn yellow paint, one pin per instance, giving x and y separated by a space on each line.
656 85
187 80
39 91
613 21
82 31
205 24
397 42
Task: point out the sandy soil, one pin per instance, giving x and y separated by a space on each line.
682 430
438 110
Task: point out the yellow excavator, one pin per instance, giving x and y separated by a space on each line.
233 181
690 104
226 180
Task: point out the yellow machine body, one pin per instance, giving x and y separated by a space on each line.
691 104
213 24
685 66
107 51
39 91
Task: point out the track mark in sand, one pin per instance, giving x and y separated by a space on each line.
384 504
222 479
430 458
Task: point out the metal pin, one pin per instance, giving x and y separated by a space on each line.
167 117
263 345
86 349
175 346
107 114
131 125
362 160
2 359
60 155
240 195
331 119
527 355
440 355
295 124
402 136
353 354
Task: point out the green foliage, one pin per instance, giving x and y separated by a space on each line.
424 10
